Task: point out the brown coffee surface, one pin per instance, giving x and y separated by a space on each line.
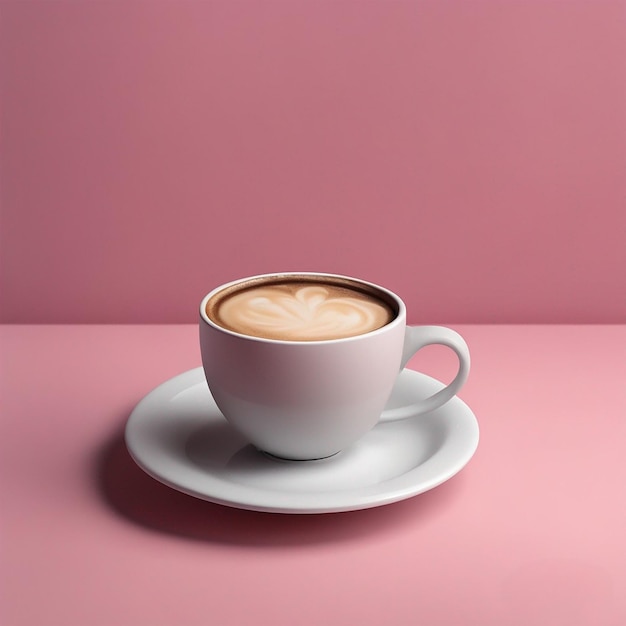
295 310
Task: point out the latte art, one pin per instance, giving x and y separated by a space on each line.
302 312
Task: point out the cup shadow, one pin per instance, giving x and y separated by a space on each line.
137 497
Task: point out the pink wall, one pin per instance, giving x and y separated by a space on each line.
471 155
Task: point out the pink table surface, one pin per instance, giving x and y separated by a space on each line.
532 531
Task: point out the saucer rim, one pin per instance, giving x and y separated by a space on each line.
401 487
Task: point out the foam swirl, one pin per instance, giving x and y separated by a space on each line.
303 313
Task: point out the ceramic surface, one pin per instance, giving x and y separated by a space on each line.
178 436
304 400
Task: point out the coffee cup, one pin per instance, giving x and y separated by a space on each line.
302 364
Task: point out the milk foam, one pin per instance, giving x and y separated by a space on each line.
302 313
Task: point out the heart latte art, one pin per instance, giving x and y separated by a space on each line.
302 311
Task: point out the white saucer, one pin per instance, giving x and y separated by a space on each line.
177 435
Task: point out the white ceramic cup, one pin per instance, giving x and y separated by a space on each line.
304 400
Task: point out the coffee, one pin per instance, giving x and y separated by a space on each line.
300 308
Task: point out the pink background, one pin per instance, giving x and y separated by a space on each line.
469 155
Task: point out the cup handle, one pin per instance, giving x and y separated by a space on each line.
417 337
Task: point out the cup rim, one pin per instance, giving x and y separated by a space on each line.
397 320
